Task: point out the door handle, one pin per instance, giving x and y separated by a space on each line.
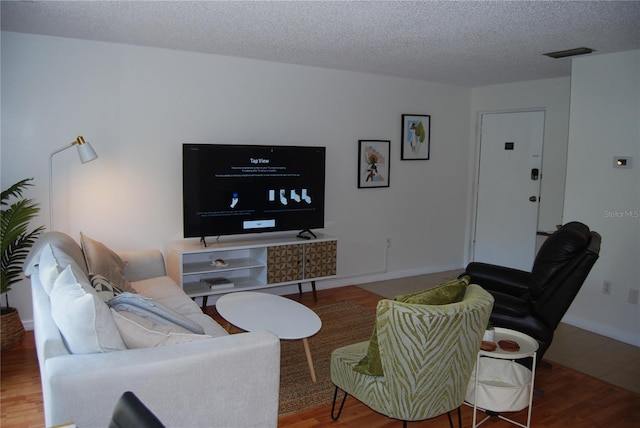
533 198
535 173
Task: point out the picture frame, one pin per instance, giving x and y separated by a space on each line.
373 163
416 137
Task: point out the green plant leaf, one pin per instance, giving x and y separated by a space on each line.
15 238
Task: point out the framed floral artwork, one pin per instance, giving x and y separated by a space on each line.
416 137
373 163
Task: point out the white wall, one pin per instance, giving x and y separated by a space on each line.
601 99
553 96
137 105
605 122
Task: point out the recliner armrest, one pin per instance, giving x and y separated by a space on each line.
509 305
505 280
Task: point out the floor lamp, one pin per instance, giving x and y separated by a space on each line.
86 153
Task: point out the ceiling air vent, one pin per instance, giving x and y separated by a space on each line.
569 52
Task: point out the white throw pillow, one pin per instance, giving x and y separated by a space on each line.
139 332
82 317
48 269
52 261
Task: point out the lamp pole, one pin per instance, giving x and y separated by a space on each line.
86 153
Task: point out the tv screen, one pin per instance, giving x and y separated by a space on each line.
236 189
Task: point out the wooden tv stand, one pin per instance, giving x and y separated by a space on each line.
251 264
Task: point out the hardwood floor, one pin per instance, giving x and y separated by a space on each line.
570 399
21 392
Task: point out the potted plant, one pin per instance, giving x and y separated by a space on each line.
16 241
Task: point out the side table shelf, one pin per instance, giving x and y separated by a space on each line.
499 383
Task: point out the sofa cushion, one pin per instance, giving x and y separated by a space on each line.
48 269
103 261
449 292
166 292
53 260
141 332
84 320
143 264
61 244
154 312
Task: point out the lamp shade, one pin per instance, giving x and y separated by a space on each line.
85 151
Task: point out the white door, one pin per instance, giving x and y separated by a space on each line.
508 188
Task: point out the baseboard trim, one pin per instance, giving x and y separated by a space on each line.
384 276
602 330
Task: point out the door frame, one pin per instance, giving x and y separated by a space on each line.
476 173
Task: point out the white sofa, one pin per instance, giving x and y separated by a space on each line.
216 380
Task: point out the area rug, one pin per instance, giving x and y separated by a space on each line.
343 323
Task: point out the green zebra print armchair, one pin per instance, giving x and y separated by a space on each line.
427 354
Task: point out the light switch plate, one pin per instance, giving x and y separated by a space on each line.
623 162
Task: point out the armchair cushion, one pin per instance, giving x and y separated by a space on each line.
449 292
103 261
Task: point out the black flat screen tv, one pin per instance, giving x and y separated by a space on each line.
238 189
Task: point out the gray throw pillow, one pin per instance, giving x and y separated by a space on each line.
104 261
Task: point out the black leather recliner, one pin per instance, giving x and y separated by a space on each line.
535 302
130 412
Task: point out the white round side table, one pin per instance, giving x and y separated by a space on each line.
499 383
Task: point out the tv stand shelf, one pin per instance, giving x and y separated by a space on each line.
196 268
251 264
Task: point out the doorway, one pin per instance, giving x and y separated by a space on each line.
508 188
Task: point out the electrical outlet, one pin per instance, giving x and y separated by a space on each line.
606 287
388 242
633 296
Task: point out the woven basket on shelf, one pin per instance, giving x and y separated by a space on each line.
11 329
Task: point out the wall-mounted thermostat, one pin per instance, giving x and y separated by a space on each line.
622 162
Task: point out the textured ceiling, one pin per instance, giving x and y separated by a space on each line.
455 42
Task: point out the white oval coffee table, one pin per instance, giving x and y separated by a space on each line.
286 318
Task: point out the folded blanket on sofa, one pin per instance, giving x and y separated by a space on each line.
153 311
